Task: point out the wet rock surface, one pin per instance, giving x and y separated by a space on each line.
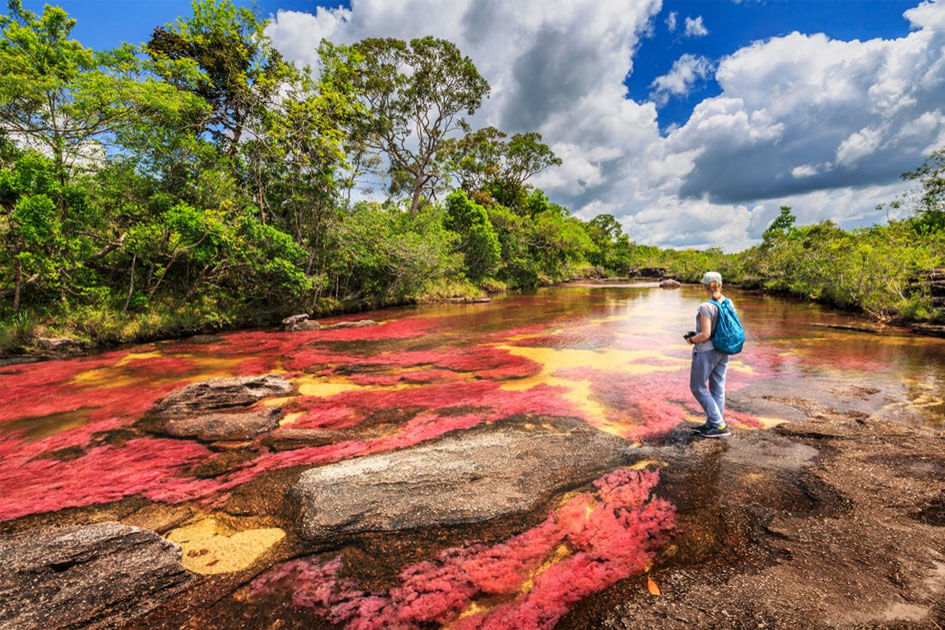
97 576
221 394
222 426
830 522
475 476
301 322
218 409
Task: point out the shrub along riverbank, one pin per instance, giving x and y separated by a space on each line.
199 182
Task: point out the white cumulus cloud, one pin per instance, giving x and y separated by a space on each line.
685 73
695 27
671 21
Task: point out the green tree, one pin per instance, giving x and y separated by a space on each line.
485 162
413 94
478 240
929 204
240 72
781 226
64 99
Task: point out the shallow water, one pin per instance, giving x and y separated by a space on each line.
610 354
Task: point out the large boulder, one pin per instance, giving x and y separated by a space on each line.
670 283
299 322
97 576
359 323
216 427
472 476
219 409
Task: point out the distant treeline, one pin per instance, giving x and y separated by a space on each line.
891 272
200 181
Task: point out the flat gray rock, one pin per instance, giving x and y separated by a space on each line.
97 576
221 394
224 426
470 476
218 409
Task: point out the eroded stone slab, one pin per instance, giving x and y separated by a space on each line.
224 426
97 576
218 409
221 394
472 476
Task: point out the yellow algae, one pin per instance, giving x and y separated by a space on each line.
323 387
767 422
474 608
643 463
116 375
739 366
625 361
210 546
609 318
289 418
560 553
139 356
578 392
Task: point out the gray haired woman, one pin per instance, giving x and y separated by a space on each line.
708 364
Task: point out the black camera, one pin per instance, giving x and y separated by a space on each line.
689 335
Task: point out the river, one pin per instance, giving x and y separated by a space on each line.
73 448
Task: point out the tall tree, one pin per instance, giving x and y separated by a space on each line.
413 95
484 161
929 201
240 72
64 99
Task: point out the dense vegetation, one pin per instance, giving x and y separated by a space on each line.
200 181
882 270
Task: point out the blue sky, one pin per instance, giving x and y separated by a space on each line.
729 26
733 25
691 136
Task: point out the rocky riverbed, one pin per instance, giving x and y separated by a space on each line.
524 463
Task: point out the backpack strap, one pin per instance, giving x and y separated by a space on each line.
718 314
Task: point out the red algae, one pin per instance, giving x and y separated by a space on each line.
592 541
105 473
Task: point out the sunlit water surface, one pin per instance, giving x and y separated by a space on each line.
610 354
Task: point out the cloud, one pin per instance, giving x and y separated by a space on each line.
823 125
853 108
680 79
804 170
695 27
671 21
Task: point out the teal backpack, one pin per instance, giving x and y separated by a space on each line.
728 337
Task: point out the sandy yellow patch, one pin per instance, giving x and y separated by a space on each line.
211 546
644 463
323 387
289 418
113 376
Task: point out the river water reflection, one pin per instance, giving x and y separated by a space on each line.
609 354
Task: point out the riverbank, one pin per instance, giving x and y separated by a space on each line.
84 331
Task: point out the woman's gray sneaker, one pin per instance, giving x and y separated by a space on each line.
713 432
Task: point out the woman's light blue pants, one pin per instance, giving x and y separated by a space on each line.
709 367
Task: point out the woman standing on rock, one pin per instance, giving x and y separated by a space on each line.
708 364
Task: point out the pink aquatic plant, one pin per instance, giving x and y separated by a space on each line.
587 544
